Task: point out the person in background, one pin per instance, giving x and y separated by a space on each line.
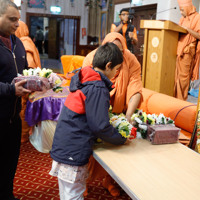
125 97
32 53
39 37
125 28
188 50
83 119
33 59
12 62
46 39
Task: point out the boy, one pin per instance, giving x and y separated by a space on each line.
84 118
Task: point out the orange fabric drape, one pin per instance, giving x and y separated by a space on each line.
128 81
32 53
188 54
33 59
183 74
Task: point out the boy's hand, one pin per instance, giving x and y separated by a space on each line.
128 117
128 141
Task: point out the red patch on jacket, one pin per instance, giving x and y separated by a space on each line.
88 74
76 102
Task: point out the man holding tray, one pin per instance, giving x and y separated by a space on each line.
12 62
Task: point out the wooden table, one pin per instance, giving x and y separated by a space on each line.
152 172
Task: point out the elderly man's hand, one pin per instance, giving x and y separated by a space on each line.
19 89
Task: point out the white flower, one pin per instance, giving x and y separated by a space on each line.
130 127
30 72
143 126
160 119
36 71
138 120
25 72
198 141
134 116
123 123
116 122
139 135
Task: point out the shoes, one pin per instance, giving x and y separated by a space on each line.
108 183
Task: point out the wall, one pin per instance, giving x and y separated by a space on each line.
77 9
168 7
165 9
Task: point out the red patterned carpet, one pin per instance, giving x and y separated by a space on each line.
32 181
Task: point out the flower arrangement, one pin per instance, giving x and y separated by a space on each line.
142 120
122 125
197 148
53 79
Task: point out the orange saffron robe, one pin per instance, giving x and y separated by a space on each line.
32 53
188 55
127 83
33 59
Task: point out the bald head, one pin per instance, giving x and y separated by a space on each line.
5 4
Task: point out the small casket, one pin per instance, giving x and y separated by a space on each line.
163 134
34 83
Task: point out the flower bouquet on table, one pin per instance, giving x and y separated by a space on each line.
122 125
40 79
157 128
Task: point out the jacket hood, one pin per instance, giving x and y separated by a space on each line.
22 30
88 76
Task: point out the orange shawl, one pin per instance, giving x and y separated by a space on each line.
127 81
33 57
192 20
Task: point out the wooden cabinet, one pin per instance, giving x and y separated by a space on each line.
83 50
159 58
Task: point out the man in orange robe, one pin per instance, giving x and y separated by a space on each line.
125 97
33 59
188 50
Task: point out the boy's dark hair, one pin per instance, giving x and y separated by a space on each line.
108 52
123 9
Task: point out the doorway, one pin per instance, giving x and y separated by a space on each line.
63 33
142 12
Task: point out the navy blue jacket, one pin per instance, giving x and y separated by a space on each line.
84 118
11 63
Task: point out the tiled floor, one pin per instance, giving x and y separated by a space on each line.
53 64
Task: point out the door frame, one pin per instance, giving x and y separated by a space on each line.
29 15
136 22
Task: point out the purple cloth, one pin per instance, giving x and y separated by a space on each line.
45 106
